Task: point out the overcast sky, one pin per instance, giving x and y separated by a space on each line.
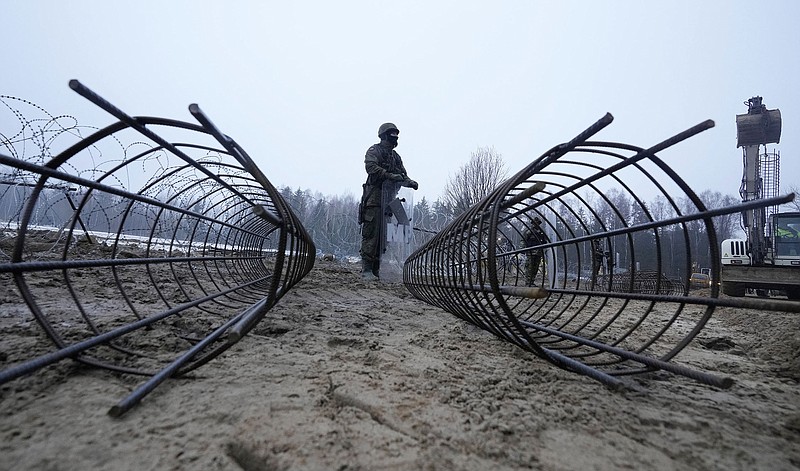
303 86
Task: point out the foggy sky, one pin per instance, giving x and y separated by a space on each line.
303 86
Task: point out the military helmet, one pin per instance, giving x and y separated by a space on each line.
386 127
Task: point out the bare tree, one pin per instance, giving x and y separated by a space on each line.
474 180
727 226
794 205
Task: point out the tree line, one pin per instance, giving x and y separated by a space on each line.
332 223
331 220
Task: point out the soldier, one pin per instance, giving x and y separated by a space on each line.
533 236
385 176
597 259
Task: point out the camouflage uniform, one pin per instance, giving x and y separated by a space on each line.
533 236
385 173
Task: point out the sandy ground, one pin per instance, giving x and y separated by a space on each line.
347 375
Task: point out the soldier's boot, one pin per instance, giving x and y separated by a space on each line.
376 269
366 271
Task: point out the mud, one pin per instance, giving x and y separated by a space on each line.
348 375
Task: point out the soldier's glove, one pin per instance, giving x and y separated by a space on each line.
395 177
411 184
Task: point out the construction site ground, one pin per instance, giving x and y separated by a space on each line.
350 375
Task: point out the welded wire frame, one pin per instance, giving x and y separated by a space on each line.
609 295
175 247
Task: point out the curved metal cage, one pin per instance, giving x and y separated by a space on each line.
151 257
565 259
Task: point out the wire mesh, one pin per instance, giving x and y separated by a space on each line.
149 247
566 260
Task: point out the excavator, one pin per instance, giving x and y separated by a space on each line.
767 261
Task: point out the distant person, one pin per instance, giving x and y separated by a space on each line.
609 262
598 256
385 176
532 237
786 232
